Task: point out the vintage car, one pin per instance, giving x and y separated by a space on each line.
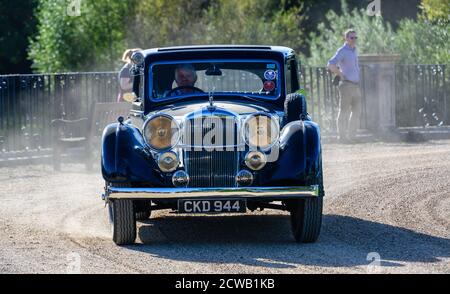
214 130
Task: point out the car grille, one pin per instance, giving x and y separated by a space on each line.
207 167
211 168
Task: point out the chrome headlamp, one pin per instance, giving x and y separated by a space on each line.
161 132
261 130
137 58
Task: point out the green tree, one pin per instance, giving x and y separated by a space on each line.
157 23
436 9
255 22
423 42
93 40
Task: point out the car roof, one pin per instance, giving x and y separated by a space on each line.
286 51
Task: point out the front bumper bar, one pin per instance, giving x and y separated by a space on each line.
263 193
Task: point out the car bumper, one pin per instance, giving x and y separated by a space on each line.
263 193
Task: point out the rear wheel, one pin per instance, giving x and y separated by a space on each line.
306 214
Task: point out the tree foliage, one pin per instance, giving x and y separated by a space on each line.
90 41
96 39
436 9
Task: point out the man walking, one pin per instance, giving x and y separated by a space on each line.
345 65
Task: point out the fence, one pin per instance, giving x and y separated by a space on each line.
28 103
422 95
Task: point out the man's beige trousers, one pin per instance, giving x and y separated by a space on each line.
349 109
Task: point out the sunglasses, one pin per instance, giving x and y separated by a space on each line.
353 38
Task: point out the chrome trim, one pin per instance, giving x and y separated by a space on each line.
211 193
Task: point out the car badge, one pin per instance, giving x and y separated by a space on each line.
270 75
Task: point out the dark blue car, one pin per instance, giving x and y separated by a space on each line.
214 129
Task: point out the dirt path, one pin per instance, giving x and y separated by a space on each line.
386 204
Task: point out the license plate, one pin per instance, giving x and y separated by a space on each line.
212 206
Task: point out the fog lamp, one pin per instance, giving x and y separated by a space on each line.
180 179
244 178
255 160
168 161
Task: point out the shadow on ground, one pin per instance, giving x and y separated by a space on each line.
265 240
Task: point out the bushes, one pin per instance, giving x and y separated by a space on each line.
423 42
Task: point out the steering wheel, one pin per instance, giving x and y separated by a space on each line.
184 87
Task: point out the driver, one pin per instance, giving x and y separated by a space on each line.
185 78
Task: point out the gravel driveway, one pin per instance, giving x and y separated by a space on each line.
387 210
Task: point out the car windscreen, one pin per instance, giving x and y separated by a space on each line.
253 78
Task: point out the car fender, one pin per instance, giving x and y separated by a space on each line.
299 150
123 157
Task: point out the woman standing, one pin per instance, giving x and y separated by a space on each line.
125 79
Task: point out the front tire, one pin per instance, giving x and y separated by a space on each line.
124 222
306 214
122 217
306 219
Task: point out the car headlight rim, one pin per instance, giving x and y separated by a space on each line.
276 127
261 164
173 140
168 167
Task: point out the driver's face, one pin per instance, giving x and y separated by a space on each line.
185 78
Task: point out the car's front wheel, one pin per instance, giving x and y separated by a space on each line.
123 221
122 216
306 214
306 219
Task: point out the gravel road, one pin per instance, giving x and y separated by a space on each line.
387 210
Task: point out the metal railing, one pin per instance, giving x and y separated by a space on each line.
422 95
28 103
323 97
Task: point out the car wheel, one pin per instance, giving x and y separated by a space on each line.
294 107
122 218
306 214
124 222
306 219
142 209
